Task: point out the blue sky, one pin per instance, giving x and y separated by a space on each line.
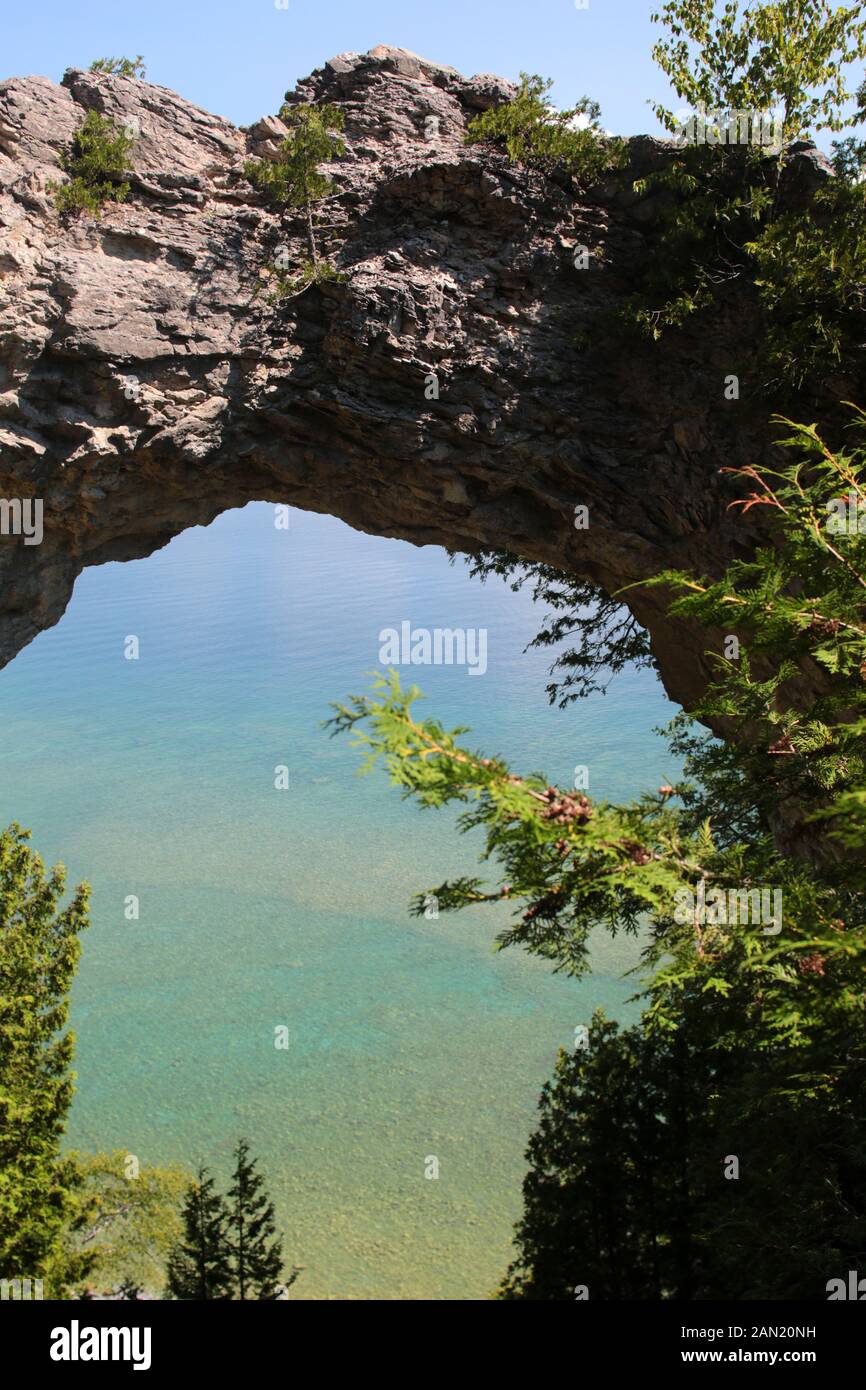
238 57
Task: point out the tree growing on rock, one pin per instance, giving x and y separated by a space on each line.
120 67
291 179
97 164
533 132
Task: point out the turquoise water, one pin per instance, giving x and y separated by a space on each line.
263 909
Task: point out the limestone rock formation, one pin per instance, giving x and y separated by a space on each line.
145 385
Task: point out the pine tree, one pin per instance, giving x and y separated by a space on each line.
312 141
257 1252
97 162
198 1267
39 951
120 67
291 178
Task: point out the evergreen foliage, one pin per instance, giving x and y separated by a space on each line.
291 180
120 67
229 1248
39 950
750 1044
632 1190
256 1250
533 132
199 1264
97 165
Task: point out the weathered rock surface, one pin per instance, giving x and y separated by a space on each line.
145 386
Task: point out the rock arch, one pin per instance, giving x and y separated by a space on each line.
145 386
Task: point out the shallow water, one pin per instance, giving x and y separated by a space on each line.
262 909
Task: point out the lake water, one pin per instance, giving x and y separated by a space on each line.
262 908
